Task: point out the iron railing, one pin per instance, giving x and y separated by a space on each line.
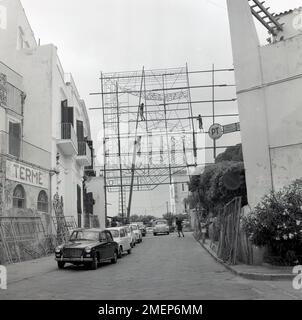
68 133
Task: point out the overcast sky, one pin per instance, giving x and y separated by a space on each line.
123 35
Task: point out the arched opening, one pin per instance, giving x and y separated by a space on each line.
42 201
19 200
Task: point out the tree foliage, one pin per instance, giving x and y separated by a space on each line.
233 153
209 189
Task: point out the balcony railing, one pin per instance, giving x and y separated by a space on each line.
67 141
84 153
68 133
83 149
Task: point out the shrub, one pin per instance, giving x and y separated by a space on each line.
277 222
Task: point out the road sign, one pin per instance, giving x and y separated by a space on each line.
216 131
233 127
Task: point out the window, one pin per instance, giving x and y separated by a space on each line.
183 186
103 236
42 202
19 197
109 237
114 233
14 141
122 233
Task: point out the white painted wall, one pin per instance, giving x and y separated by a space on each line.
45 84
269 102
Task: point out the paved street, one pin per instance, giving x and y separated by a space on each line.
163 267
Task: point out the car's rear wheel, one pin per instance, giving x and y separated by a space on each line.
155 234
120 252
168 233
114 259
61 264
129 251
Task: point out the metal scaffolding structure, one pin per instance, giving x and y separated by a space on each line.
149 127
265 17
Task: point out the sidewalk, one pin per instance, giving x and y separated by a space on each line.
28 269
264 272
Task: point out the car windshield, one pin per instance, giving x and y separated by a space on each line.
115 233
161 222
85 235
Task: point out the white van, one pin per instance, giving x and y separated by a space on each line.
120 236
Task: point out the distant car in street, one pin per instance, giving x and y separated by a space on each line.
137 232
87 247
161 226
131 235
120 236
142 228
149 230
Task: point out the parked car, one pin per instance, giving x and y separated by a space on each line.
137 232
120 236
149 230
161 226
131 235
142 228
88 247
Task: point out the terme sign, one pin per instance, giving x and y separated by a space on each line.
26 175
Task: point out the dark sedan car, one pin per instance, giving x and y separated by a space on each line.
88 247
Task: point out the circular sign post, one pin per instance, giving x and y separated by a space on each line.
216 131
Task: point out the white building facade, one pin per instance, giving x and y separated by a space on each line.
179 191
49 121
269 94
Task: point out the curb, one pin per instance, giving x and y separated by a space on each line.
248 275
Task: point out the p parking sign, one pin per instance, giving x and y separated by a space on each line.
216 131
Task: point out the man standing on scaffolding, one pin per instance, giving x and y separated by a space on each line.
141 111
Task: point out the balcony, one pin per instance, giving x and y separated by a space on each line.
22 150
84 154
67 142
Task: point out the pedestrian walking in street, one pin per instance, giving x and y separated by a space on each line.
141 111
203 231
179 227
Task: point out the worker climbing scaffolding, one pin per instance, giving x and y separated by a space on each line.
141 111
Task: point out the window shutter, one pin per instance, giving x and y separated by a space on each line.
70 115
80 130
79 199
64 111
14 139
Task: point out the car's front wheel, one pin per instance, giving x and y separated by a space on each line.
155 234
114 259
61 264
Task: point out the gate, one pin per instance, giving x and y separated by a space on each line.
23 238
229 231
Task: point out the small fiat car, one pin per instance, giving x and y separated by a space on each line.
120 236
131 235
87 247
161 226
137 232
